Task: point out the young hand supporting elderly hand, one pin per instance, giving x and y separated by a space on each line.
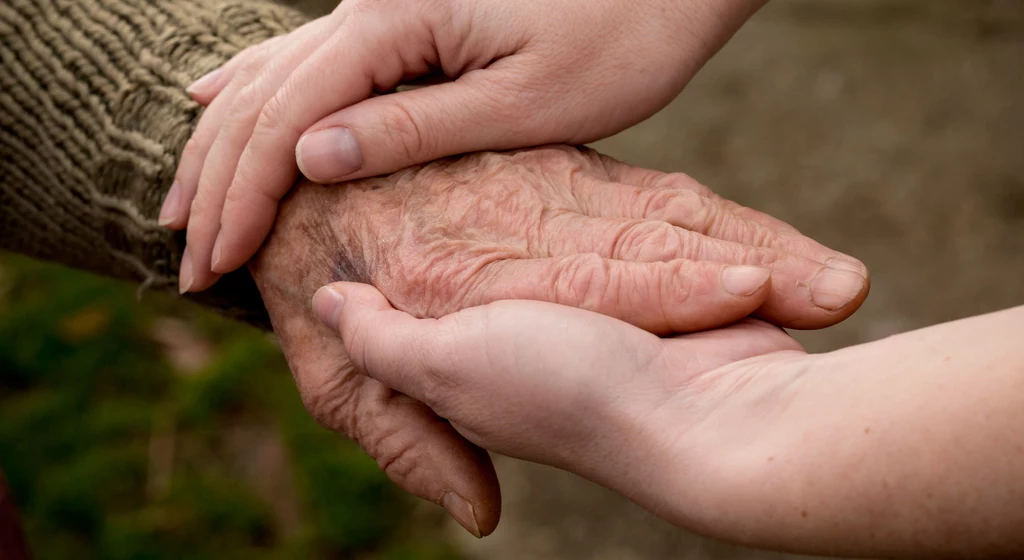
906 447
437 239
526 73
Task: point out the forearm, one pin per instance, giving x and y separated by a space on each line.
93 118
909 446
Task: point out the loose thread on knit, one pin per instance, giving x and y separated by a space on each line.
93 119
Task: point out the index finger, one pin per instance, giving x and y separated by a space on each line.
365 52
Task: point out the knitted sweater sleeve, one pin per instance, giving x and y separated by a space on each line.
93 119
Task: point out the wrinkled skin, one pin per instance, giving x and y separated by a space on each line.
525 73
552 224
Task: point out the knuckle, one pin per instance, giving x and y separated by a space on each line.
194 149
274 115
677 285
242 197
397 453
648 241
248 99
243 211
357 343
583 281
684 182
760 236
333 403
239 119
367 6
399 124
669 202
253 63
236 194
695 212
200 203
656 203
761 256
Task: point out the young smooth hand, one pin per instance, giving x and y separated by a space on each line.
908 447
562 386
525 73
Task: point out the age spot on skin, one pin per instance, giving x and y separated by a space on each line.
803 513
344 266
867 430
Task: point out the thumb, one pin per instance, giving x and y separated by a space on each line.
382 342
386 133
355 298
419 451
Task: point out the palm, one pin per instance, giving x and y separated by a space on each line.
550 366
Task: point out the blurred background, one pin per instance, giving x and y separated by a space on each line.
892 130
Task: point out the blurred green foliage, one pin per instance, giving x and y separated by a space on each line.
119 444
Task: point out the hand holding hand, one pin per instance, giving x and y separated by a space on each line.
487 227
525 73
570 388
572 227
907 447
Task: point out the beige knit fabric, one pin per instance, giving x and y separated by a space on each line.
93 118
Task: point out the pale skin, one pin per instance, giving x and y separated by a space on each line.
552 224
911 446
518 74
267 105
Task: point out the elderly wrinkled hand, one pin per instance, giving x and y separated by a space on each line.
525 73
554 224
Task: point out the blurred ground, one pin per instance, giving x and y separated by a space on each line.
155 430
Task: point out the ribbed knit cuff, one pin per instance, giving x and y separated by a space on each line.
93 119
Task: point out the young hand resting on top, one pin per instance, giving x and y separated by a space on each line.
524 73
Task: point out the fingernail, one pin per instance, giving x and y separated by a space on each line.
169 211
327 304
836 285
744 280
216 254
462 512
328 155
185 276
206 81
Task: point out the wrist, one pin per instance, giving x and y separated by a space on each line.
708 449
